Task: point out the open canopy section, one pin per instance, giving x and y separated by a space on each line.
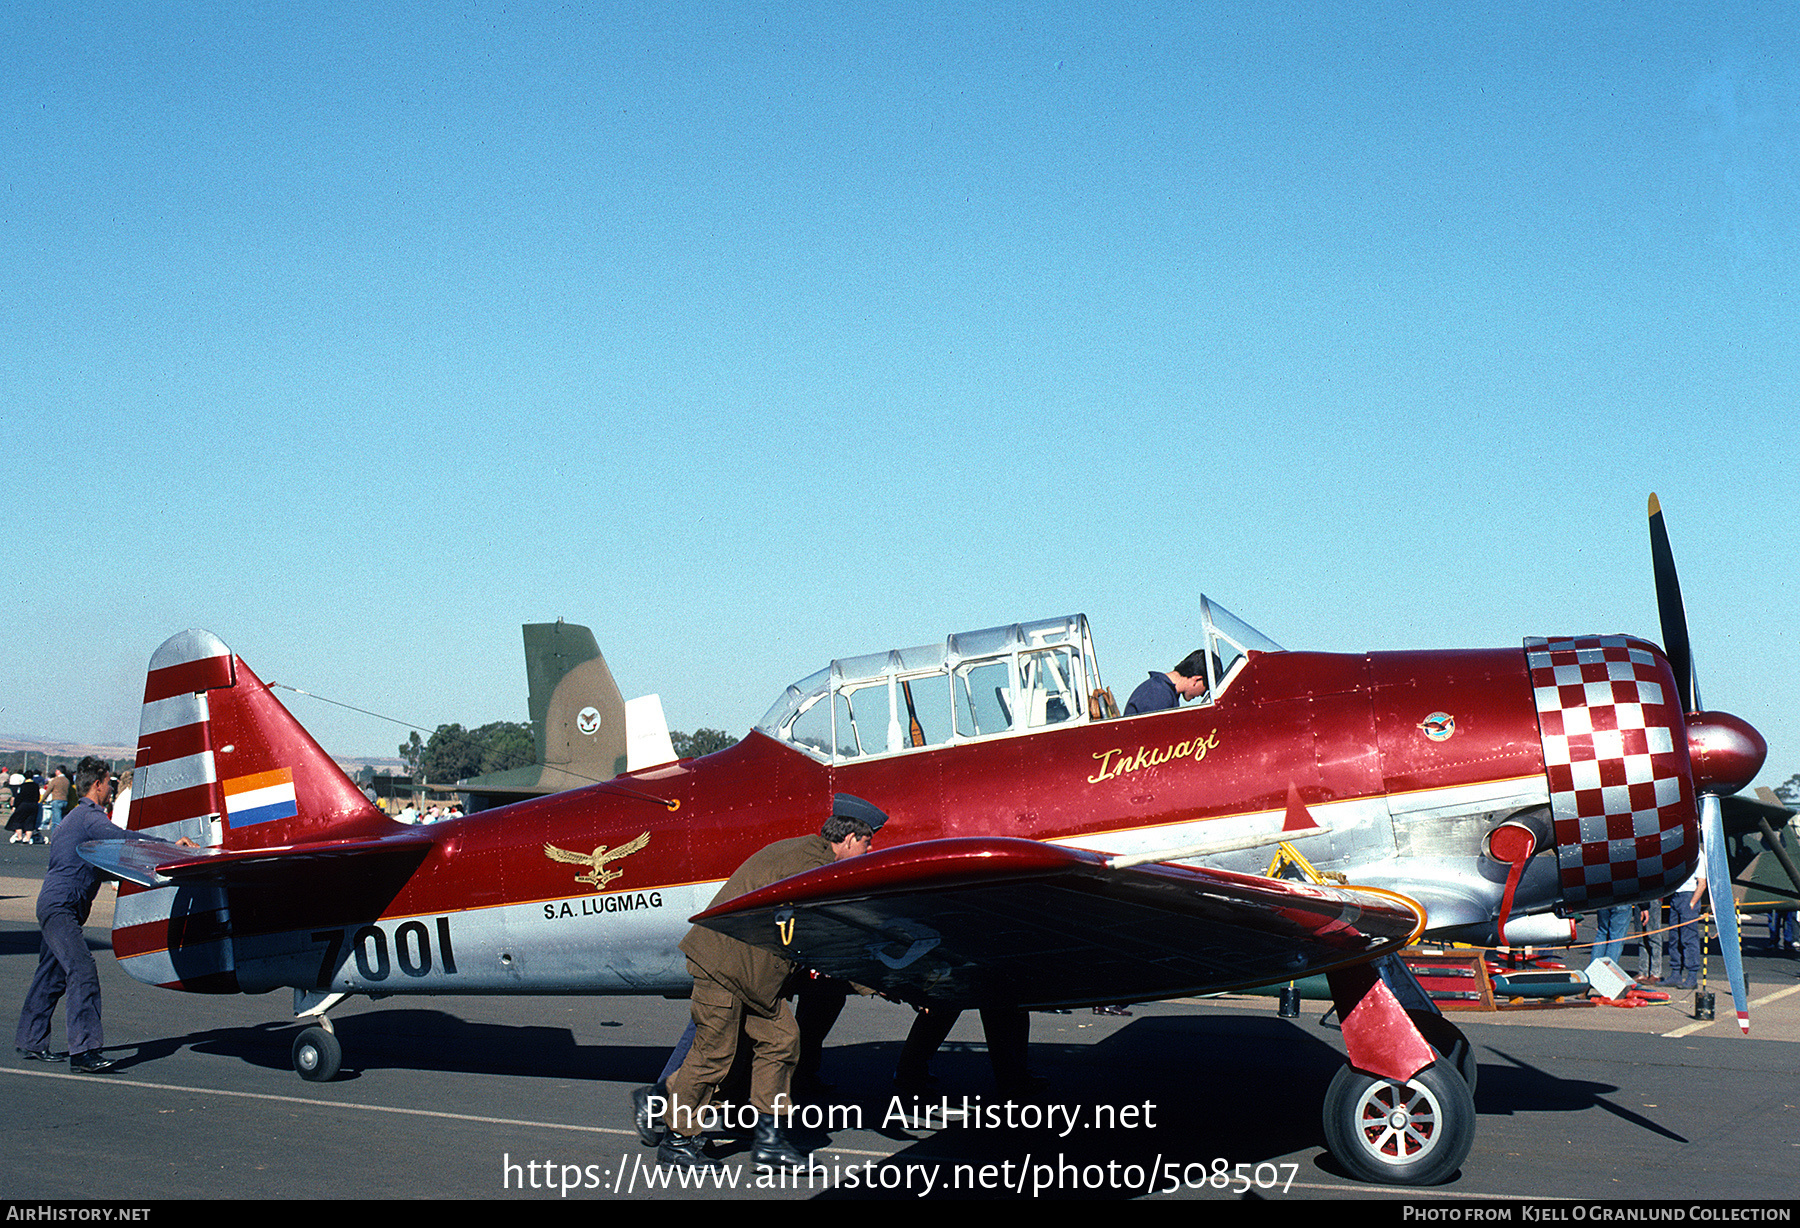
999 682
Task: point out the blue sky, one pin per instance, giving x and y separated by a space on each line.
752 336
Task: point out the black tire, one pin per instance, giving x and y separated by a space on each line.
317 1055
1416 1132
1449 1042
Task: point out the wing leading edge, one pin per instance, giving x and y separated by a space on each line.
995 920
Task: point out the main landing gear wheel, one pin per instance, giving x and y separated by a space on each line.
1393 1133
316 1055
1449 1042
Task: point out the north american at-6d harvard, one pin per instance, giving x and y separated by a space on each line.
1050 854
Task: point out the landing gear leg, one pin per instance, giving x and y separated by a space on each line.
1448 1041
1399 1113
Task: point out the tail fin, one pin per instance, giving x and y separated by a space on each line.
577 712
220 761
577 720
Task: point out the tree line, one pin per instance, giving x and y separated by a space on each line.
453 753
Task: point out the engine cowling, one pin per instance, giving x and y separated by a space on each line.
1616 755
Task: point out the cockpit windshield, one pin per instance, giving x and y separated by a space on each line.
1230 641
1016 679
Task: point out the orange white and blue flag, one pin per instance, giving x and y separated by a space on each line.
260 798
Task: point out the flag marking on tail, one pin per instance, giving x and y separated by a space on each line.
260 798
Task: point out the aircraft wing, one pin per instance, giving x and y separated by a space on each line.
157 863
1743 814
968 921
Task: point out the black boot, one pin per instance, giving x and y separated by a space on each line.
770 1146
683 1151
649 1123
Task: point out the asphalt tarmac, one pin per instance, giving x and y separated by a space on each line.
526 1097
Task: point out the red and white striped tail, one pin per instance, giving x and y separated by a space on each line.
221 762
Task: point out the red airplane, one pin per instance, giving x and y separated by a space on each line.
1050 855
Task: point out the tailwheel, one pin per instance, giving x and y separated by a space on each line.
317 1055
1416 1132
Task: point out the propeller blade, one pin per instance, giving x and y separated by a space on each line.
1718 886
1669 609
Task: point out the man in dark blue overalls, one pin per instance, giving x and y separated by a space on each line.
64 962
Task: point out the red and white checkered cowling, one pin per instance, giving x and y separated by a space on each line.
1616 755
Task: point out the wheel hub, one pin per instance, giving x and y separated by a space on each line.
1400 1122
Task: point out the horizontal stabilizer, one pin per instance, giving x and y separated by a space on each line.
156 863
996 920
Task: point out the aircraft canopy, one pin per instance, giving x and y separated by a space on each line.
1000 681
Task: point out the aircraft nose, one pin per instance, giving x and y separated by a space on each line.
1727 752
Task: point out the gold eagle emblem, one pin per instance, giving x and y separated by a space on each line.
597 873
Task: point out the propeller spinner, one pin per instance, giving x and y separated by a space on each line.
1726 752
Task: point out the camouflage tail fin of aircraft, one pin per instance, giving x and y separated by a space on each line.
577 719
